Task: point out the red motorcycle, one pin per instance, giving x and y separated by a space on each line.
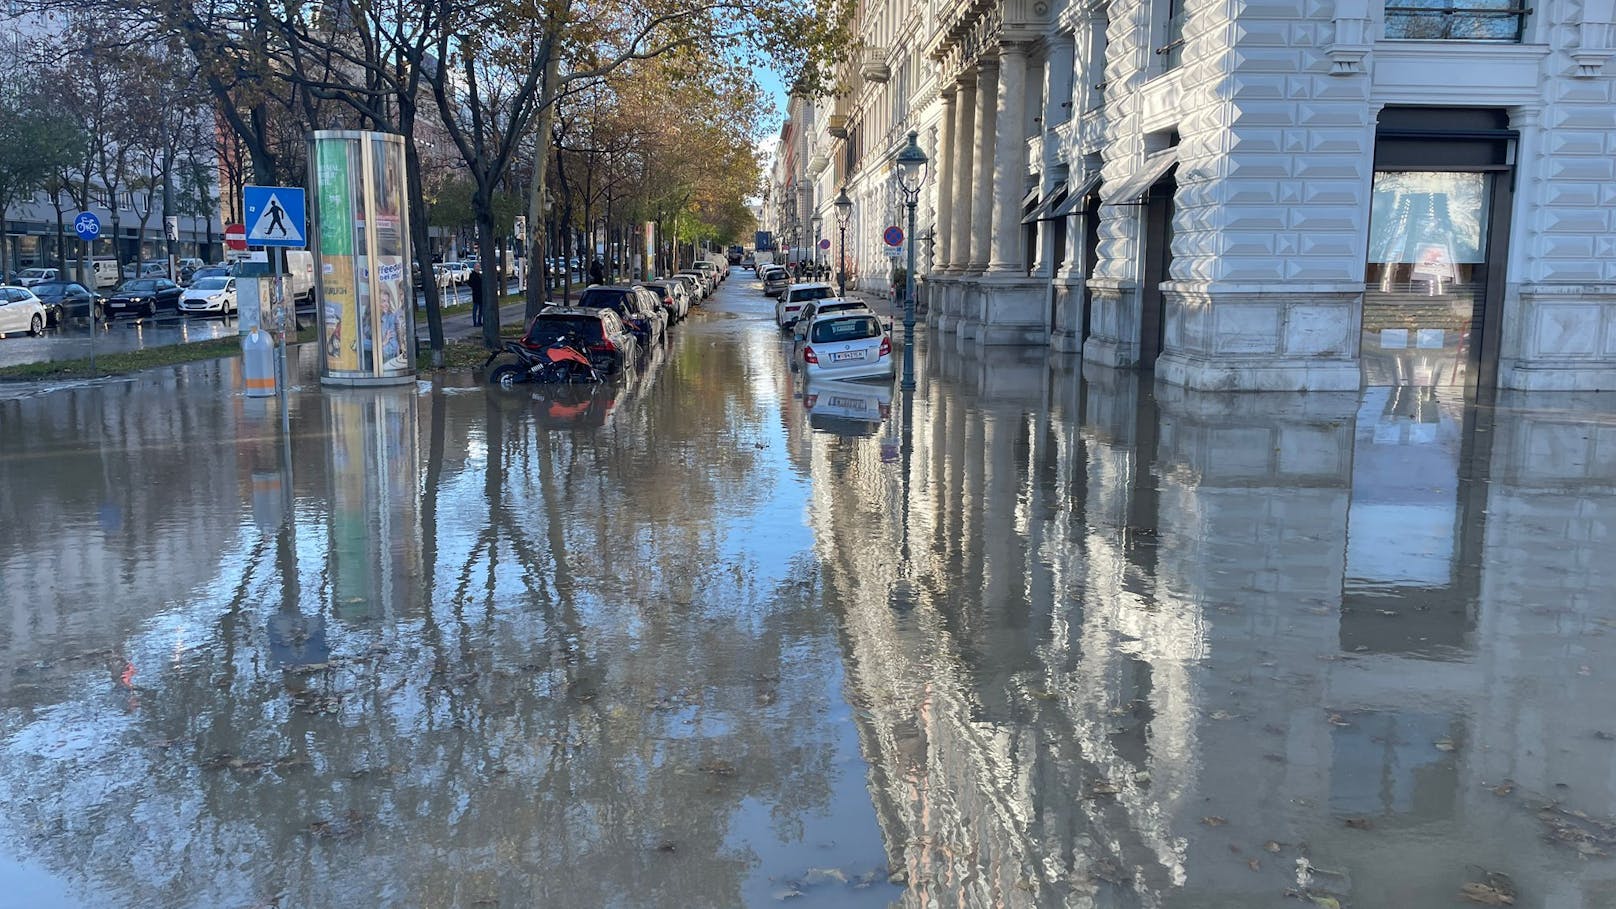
564 362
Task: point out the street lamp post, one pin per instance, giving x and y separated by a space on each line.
911 163
844 213
817 220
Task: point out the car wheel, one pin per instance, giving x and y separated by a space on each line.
36 326
508 375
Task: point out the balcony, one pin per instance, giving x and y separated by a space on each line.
836 125
874 68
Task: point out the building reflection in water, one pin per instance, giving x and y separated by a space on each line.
1210 649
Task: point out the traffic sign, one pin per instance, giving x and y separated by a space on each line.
892 236
235 236
87 225
824 244
274 215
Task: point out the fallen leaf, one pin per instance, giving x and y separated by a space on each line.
1443 744
1337 720
1359 823
1504 788
820 875
1272 846
1254 865
1328 902
1213 821
1486 895
1222 715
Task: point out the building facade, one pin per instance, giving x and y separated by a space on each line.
1253 196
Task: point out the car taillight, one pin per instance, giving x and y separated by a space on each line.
808 401
667 301
808 356
886 346
605 346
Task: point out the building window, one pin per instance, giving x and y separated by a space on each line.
1171 50
1458 20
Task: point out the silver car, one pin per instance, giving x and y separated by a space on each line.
776 280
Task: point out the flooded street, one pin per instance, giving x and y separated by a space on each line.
1032 637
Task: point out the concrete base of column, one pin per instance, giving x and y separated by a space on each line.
1006 310
1069 301
944 313
1229 374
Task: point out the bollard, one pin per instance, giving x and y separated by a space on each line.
258 363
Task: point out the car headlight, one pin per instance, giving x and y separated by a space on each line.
216 298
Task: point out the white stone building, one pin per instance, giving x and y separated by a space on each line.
1260 195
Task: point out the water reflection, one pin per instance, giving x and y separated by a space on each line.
1191 650
447 651
1033 636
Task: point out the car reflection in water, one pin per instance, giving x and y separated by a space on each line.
846 407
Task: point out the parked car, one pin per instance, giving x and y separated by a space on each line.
145 270
693 286
635 305
210 271
824 307
610 344
789 306
776 280
21 311
210 295
710 268
67 300
144 296
29 277
675 299
845 346
457 272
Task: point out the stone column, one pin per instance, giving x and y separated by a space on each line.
959 253
1009 159
1057 110
944 168
987 111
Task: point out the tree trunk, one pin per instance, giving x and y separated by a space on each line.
538 296
419 239
483 208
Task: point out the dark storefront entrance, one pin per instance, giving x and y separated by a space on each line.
1438 237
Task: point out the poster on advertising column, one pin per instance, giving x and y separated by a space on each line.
339 292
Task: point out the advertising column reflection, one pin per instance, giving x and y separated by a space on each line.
375 513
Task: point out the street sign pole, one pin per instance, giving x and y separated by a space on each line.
88 227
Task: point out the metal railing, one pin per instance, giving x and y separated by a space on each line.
1458 22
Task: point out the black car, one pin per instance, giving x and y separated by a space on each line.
144 297
635 305
67 300
610 345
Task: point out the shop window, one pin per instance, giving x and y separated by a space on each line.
1458 20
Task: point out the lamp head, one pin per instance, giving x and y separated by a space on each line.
843 206
911 163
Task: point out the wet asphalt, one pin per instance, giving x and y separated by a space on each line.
711 636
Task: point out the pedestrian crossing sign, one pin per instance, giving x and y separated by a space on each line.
274 216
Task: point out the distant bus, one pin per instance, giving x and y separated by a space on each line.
736 253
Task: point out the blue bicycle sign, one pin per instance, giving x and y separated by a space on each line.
87 226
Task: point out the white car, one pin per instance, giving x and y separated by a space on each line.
703 289
21 311
210 295
847 408
843 345
458 272
824 307
789 306
31 276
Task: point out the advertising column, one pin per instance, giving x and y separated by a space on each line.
366 313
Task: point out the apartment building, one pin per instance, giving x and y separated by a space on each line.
1269 195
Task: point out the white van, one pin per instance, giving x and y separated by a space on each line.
105 272
300 276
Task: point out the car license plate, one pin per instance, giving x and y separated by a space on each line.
848 355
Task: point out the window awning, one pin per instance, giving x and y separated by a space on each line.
1133 189
1075 200
1041 212
1030 197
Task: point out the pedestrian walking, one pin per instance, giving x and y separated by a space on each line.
476 297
